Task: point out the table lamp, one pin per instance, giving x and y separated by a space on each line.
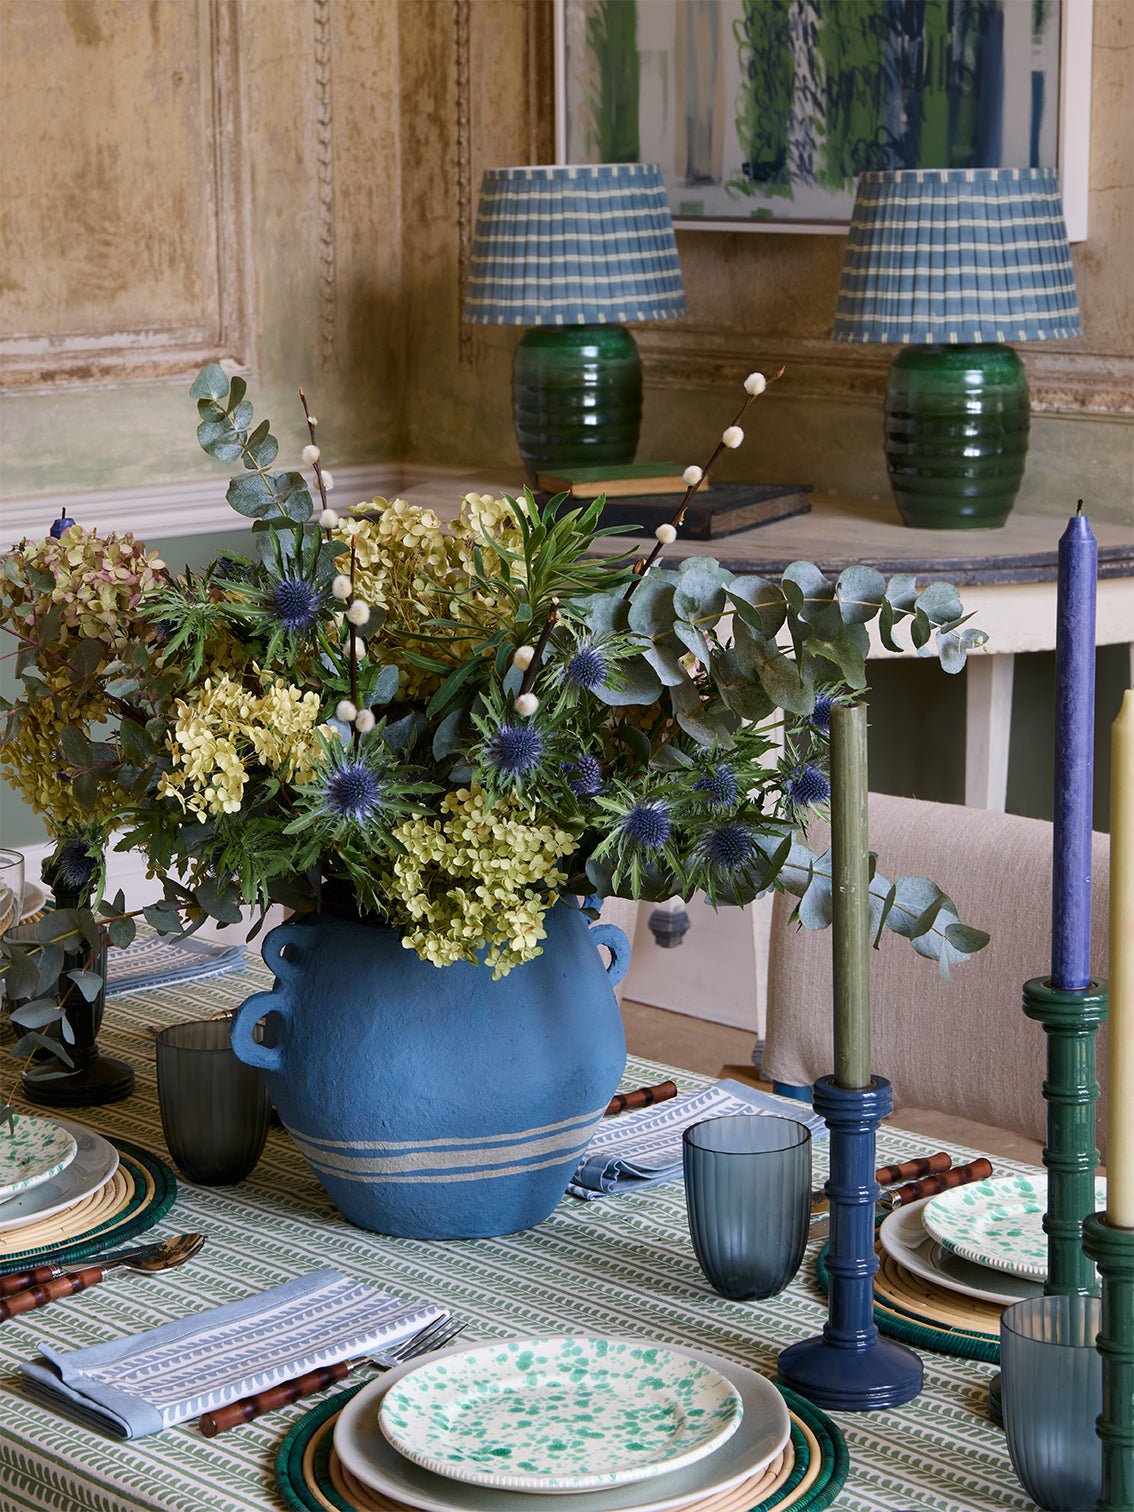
575 253
954 264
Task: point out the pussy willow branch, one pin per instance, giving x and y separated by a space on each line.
643 564
311 432
532 671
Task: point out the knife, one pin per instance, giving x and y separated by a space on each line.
912 1191
885 1176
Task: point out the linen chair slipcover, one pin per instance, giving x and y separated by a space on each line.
962 1047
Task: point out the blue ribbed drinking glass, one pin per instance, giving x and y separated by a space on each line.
1051 1393
748 1197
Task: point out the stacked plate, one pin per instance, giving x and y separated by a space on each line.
48 1165
984 1240
613 1423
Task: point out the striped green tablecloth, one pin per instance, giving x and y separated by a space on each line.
622 1265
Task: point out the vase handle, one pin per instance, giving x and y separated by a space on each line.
618 944
242 1029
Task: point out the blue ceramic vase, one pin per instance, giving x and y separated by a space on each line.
432 1102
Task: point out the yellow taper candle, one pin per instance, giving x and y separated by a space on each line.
1120 1109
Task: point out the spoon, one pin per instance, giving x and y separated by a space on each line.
16 1281
151 1257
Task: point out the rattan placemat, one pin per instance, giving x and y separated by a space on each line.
911 1309
806 1477
140 1192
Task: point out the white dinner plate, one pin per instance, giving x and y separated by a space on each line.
998 1222
903 1237
509 1414
93 1164
765 1428
33 900
32 1151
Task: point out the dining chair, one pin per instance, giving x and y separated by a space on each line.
962 1047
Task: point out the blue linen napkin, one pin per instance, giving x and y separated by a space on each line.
630 1150
164 960
146 1382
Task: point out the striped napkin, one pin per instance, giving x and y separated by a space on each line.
631 1149
164 960
149 1381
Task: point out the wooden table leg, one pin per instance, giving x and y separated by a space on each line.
988 722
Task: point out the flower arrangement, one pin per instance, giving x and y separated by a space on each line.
452 724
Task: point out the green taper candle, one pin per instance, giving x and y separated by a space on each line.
850 877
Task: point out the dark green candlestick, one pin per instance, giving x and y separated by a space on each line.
1113 1251
1071 1020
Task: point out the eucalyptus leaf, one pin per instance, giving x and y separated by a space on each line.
210 383
89 983
859 592
698 595
651 609
666 662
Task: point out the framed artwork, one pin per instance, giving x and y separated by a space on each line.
763 112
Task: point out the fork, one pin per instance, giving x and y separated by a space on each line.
434 1335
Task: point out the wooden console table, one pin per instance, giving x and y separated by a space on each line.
1008 577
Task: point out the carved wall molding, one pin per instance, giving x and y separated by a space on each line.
218 325
466 212
325 180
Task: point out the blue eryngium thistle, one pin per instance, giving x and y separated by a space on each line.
719 786
584 777
295 603
586 670
820 716
729 847
353 792
74 865
647 825
808 786
516 749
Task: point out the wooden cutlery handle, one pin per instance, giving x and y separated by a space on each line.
913 1170
642 1097
249 1407
50 1291
977 1170
16 1281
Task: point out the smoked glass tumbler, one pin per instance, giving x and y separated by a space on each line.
215 1110
1051 1394
748 1197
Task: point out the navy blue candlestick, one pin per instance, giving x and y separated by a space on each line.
1074 756
849 1367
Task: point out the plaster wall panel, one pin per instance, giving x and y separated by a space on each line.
121 162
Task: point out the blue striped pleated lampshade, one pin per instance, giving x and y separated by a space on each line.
958 255
579 245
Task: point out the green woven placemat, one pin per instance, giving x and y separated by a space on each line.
138 1214
919 1328
299 1494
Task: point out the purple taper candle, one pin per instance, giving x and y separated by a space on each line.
1074 755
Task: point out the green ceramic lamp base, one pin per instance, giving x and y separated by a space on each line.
956 434
576 397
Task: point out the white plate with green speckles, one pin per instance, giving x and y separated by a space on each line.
560 1415
764 1430
997 1222
32 1151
